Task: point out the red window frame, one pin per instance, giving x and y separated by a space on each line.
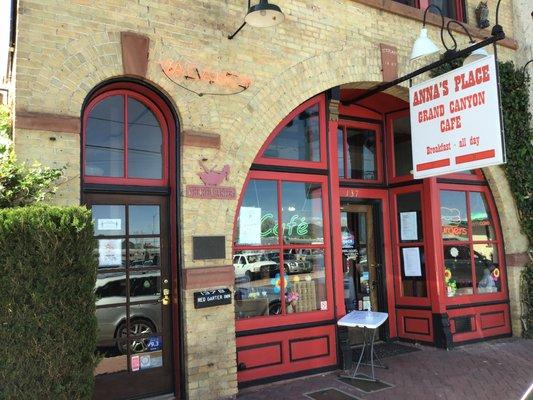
322 163
458 5
498 243
346 124
391 160
125 180
476 176
397 245
295 318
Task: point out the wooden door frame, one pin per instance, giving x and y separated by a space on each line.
172 190
381 195
373 240
165 254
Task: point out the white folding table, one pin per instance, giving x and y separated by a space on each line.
368 321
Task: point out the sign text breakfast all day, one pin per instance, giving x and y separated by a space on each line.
455 122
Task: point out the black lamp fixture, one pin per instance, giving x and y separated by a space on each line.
525 65
477 54
261 15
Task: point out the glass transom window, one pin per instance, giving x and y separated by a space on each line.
123 139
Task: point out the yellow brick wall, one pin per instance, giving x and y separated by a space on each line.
66 48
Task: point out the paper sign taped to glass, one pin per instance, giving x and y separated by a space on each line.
109 252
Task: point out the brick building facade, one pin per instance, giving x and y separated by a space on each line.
67 53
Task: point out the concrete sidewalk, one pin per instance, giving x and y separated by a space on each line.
499 369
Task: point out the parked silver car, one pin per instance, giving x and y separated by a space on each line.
145 319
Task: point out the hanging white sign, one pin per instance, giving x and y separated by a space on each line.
455 121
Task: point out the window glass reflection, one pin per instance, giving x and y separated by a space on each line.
143 220
340 151
305 280
453 215
447 7
299 139
487 268
144 252
302 213
482 228
258 216
145 142
104 147
458 271
257 283
403 159
361 154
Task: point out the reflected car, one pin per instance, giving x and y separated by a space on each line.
294 265
254 266
110 291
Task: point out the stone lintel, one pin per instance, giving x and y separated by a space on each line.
47 122
200 139
208 277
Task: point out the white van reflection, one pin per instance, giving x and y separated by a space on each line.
145 318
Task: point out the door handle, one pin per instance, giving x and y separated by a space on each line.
165 300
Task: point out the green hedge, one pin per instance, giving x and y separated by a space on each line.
47 314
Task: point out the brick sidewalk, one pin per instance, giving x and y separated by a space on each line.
494 370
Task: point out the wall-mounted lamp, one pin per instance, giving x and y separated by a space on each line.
477 54
261 15
423 45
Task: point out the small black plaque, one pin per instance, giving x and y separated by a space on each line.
208 247
211 298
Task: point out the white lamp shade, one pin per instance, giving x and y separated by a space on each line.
423 46
263 15
477 54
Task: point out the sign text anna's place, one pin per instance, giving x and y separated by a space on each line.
455 121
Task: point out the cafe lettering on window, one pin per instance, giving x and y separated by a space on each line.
455 121
297 226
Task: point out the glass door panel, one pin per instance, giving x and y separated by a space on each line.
132 295
361 270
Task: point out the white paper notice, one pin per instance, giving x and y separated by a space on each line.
107 224
408 226
110 252
411 261
250 225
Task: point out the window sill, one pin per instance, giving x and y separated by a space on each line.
418 15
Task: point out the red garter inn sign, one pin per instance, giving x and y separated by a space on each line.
455 121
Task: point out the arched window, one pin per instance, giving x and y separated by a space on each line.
125 140
299 141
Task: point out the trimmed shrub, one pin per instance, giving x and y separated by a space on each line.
47 314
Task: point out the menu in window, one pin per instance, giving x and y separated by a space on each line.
411 262
408 226
109 252
250 225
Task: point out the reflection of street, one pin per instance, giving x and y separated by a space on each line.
264 282
262 296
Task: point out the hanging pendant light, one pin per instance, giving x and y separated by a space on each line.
264 14
423 46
